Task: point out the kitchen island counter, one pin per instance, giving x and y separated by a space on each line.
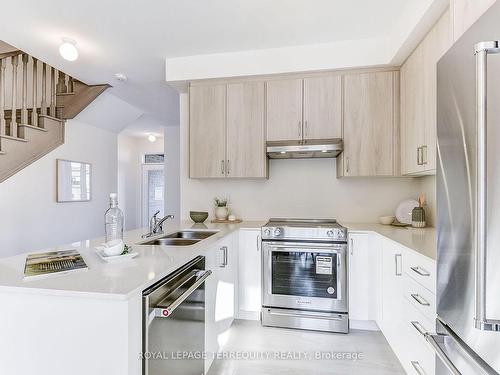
120 279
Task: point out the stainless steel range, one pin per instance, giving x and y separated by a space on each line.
304 265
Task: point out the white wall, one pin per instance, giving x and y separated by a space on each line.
296 188
30 218
428 187
130 152
172 171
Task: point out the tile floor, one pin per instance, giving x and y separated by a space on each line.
250 338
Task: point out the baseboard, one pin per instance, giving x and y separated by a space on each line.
367 325
248 315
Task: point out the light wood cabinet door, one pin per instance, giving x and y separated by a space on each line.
419 100
323 107
369 125
284 110
412 112
207 131
246 149
466 12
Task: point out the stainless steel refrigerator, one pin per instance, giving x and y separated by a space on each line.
468 200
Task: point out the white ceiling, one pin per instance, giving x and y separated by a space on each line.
135 37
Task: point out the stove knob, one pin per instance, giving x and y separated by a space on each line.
340 233
267 232
329 233
277 232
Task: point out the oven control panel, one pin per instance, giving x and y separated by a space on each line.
318 233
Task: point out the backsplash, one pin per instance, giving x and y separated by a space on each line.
301 188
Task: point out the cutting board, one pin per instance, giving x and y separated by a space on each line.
215 221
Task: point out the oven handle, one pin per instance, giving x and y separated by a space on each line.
311 248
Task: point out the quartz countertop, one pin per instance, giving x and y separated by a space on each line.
121 279
420 240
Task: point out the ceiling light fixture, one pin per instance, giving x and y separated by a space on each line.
68 50
121 77
151 138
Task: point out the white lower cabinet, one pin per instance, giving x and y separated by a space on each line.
407 307
249 274
364 260
406 300
220 294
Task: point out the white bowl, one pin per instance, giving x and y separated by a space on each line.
386 220
114 247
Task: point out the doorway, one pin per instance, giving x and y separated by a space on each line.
153 191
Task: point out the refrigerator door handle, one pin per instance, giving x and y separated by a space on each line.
481 321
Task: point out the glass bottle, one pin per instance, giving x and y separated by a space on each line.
113 220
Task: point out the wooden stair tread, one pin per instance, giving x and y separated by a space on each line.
13 138
32 127
51 117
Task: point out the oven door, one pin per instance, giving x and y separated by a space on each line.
305 275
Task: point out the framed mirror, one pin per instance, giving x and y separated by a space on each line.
74 181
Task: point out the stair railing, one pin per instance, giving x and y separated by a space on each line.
26 91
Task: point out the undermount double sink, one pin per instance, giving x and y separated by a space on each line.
181 238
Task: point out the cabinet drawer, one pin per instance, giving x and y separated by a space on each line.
419 358
421 298
421 269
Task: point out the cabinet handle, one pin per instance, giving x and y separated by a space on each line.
352 247
227 166
306 129
222 166
421 300
421 271
418 155
418 368
258 243
396 256
224 257
300 129
347 165
424 154
419 327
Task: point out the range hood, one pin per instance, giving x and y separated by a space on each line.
325 148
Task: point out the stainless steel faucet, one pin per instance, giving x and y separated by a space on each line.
156 225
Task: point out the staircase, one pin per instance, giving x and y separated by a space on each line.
35 101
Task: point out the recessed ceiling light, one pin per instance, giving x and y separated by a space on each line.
282 152
121 77
151 138
68 50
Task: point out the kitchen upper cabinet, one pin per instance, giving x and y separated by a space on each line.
284 110
419 100
370 125
207 131
226 131
466 12
246 153
323 107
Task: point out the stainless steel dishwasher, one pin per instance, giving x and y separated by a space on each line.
174 322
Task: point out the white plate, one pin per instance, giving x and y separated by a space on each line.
113 258
403 212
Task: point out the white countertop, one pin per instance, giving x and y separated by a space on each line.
118 280
420 240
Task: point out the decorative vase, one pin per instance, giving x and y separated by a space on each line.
418 217
221 213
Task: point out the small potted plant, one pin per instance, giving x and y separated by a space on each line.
221 209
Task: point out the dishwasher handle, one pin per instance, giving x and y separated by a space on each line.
165 312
